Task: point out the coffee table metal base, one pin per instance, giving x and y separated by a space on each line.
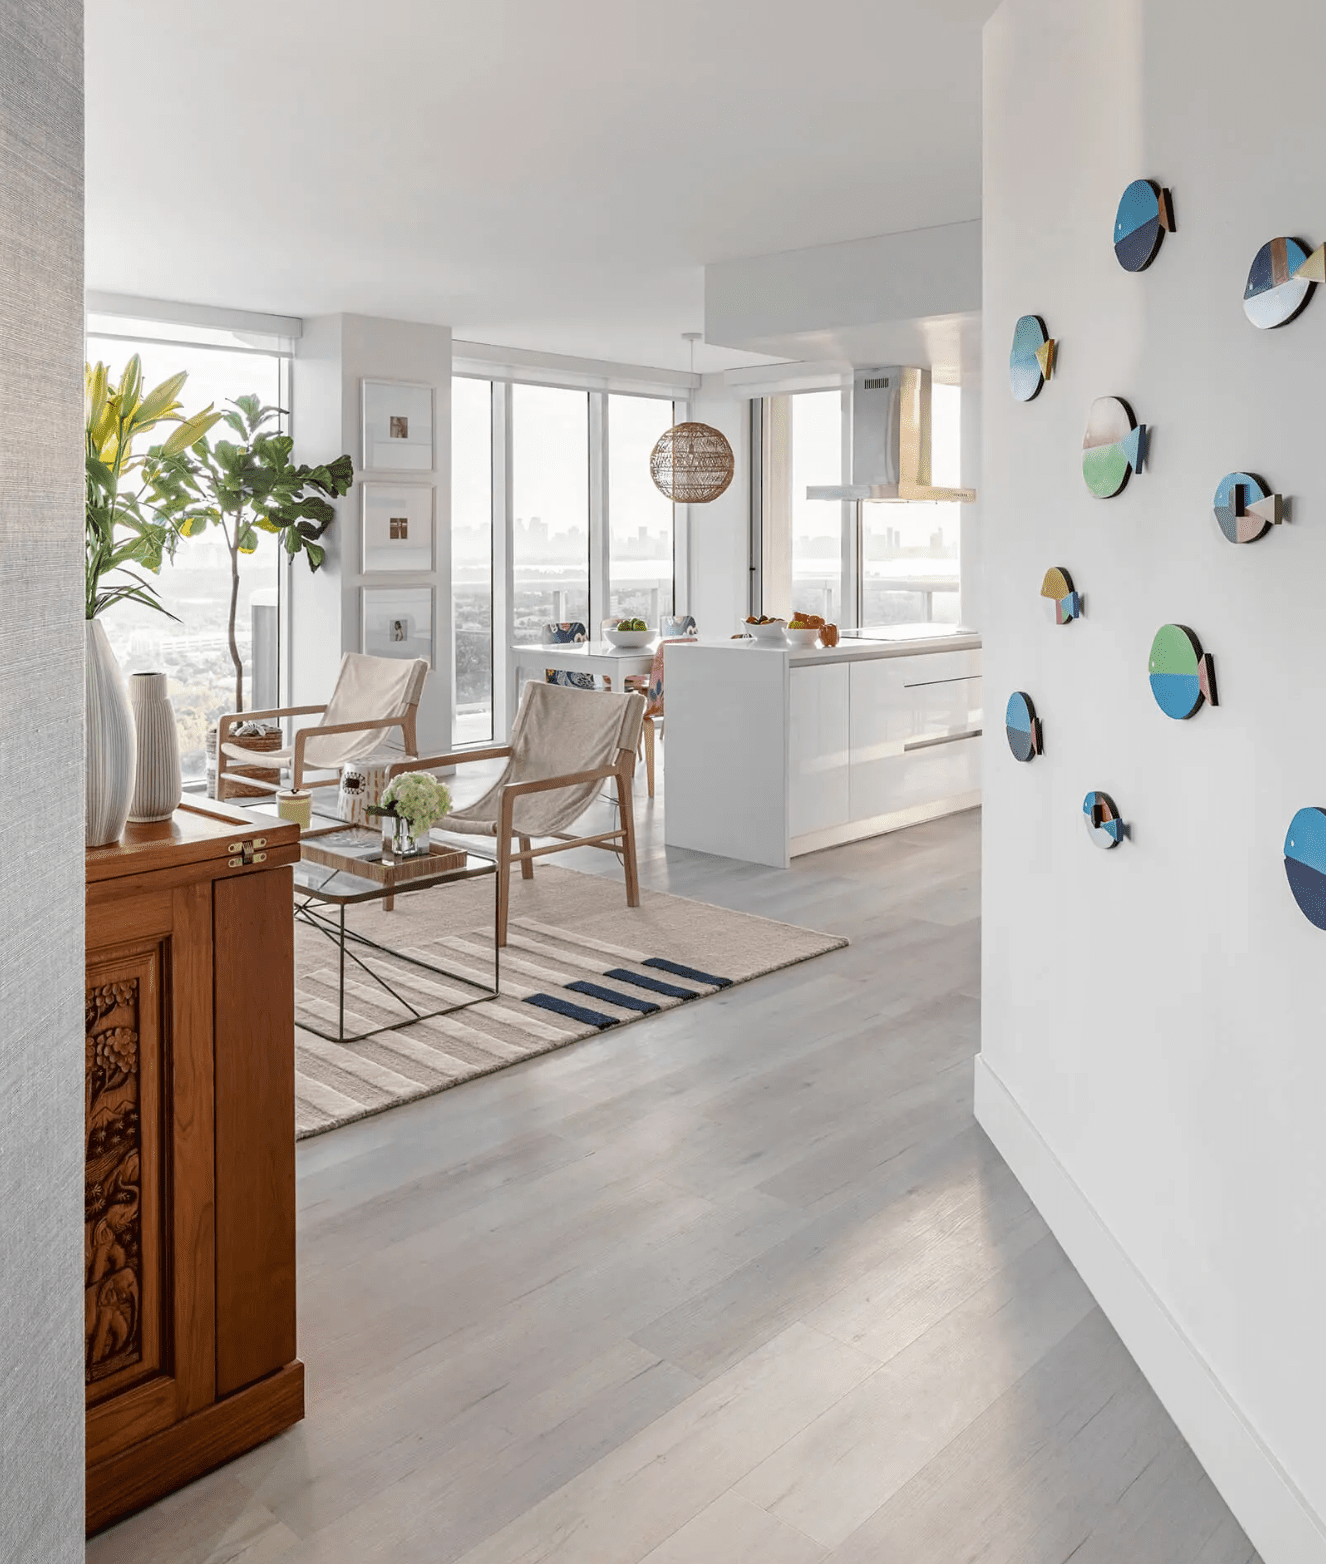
334 929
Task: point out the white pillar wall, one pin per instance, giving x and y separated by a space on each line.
336 354
1152 1057
41 762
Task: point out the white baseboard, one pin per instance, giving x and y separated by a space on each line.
1283 1526
878 825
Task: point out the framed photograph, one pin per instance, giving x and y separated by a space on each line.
398 622
398 527
398 427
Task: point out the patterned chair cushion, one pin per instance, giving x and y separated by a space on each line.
571 633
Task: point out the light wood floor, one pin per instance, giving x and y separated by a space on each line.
743 1282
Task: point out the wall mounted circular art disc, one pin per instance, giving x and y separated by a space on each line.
1140 224
1031 355
1022 727
1274 294
1066 603
1180 672
1113 446
1305 863
1103 824
1236 493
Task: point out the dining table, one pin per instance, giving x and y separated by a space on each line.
594 657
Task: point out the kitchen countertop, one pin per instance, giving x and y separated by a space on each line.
957 640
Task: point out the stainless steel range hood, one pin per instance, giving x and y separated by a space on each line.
890 441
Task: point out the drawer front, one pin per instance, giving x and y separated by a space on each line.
912 742
818 748
937 666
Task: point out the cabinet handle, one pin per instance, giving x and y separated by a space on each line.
944 738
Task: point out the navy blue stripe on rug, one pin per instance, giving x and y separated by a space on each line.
677 970
646 1007
654 985
564 1007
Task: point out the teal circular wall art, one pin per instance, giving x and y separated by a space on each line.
1022 727
1280 282
1145 216
1031 358
1305 863
1245 508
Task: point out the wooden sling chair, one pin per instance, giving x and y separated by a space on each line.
565 743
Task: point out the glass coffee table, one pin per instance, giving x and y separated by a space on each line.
344 866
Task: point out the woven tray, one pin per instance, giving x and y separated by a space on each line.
358 851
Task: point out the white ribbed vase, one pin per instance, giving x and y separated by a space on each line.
157 785
110 742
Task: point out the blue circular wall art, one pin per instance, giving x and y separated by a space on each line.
1245 507
1145 216
1103 824
1031 358
1182 674
1022 727
1305 863
1280 282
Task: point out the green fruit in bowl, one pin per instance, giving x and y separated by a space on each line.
633 624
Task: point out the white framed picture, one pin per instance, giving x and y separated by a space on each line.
398 427
398 527
398 622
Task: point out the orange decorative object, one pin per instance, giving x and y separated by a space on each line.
829 635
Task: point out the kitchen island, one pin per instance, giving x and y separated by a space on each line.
776 751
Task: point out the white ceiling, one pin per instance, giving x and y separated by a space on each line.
547 174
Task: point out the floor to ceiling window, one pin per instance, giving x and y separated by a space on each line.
909 553
639 516
192 648
550 509
907 565
472 557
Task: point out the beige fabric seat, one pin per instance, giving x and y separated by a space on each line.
370 717
565 743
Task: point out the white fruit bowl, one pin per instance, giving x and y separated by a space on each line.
628 637
771 634
800 637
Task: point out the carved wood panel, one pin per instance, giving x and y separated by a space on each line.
123 1175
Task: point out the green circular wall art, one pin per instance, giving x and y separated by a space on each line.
1280 282
1245 507
1113 446
1031 359
1182 674
1145 216
1103 824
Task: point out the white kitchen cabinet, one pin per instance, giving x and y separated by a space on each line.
771 753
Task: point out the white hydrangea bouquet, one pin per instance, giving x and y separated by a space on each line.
416 801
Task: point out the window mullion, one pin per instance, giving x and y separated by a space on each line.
600 532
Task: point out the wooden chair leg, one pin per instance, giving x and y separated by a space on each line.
628 837
648 731
504 834
526 864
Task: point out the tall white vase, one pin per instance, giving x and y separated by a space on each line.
110 742
157 785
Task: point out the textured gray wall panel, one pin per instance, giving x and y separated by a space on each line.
41 755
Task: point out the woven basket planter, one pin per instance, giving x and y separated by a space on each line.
267 778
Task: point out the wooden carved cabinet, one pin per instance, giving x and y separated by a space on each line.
189 1194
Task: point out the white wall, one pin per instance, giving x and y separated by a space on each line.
719 562
335 354
1153 1062
41 753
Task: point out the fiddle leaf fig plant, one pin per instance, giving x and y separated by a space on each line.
251 485
135 498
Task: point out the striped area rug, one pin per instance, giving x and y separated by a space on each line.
579 962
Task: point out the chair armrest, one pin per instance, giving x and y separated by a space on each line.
436 762
320 730
549 784
232 719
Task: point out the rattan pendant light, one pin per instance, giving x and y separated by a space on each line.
692 463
